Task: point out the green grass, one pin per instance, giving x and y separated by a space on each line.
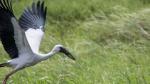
104 36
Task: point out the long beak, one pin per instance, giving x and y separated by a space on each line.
67 53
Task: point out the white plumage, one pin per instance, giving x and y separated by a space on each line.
37 34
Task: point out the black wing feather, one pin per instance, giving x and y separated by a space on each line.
6 28
33 17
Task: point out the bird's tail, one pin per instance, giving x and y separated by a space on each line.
3 64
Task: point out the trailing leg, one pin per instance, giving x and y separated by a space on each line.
11 73
4 64
8 75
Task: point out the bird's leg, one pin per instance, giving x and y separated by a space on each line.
8 75
4 64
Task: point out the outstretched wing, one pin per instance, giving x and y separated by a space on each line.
32 21
6 28
12 36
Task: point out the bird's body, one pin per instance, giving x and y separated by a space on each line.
21 38
24 59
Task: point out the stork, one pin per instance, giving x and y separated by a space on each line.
21 38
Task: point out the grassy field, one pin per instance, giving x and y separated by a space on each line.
109 38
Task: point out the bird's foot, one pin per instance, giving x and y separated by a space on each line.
4 81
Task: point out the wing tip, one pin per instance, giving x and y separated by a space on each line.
35 13
6 5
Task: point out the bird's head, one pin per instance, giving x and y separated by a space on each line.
61 49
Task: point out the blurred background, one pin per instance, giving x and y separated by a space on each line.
109 38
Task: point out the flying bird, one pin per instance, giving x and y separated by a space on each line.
21 38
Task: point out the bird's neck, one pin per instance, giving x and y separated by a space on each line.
46 56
